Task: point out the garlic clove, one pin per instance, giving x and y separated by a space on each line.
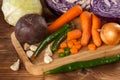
26 46
29 53
47 59
33 48
15 66
48 51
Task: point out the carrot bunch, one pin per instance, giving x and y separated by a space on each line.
90 24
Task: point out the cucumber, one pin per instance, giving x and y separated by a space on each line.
84 64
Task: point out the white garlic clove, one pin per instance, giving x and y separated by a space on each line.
47 59
48 51
26 46
33 48
29 53
15 66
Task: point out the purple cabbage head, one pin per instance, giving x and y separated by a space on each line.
61 6
106 8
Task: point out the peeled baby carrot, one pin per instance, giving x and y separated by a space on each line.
96 24
60 50
85 20
77 42
73 50
74 41
63 45
77 46
92 46
74 34
66 17
70 44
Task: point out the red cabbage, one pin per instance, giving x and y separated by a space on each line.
61 6
106 8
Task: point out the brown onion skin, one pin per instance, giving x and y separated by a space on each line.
110 33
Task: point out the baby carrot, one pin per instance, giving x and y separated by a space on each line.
73 51
66 17
60 50
96 24
77 46
70 44
74 34
77 42
92 46
74 41
63 45
85 20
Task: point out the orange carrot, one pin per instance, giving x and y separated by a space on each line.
92 46
77 46
85 20
74 41
73 51
66 17
77 42
96 24
74 34
63 45
70 44
60 50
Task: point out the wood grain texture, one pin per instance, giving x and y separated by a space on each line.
8 56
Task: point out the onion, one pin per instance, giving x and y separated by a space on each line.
110 33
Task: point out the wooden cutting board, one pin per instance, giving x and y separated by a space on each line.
37 67
8 55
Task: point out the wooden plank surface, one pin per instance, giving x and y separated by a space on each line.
8 56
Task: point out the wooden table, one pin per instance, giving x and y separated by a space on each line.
8 56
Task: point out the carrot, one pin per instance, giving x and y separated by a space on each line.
70 44
74 41
76 22
77 42
66 17
96 24
74 34
92 46
85 20
73 51
63 45
77 46
60 50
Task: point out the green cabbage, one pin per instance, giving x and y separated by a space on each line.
14 9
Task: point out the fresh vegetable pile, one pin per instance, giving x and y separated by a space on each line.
64 37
